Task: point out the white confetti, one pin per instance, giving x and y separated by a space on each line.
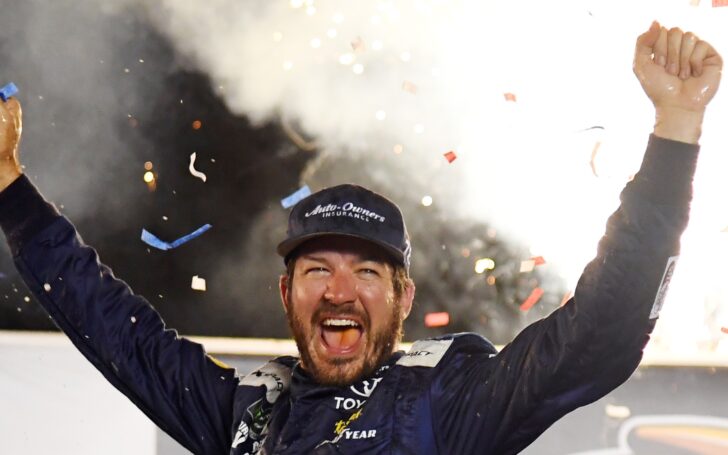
26 298
199 284
133 319
47 287
527 266
194 171
617 412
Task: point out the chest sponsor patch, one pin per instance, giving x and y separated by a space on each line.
275 377
425 353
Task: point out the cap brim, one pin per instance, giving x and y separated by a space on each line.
286 247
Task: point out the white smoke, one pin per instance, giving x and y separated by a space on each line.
338 69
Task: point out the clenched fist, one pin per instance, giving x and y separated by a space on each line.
680 73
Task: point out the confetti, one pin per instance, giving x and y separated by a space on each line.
47 287
292 199
724 330
450 156
720 3
527 266
196 125
532 299
538 260
437 319
152 240
510 97
194 171
592 162
8 90
199 284
409 87
481 265
133 319
358 44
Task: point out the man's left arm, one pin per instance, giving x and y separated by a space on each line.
592 344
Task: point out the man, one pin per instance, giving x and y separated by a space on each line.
346 293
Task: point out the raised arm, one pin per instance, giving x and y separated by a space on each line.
171 379
594 342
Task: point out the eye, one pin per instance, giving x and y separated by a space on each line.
316 270
368 271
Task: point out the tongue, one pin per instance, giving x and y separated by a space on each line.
341 339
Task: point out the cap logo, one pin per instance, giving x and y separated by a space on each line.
348 209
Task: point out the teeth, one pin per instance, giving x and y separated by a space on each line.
340 323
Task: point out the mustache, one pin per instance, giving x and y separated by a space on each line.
329 309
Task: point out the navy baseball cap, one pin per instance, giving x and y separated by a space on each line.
348 210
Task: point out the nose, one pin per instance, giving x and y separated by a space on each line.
340 288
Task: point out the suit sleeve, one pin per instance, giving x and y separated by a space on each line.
172 380
500 404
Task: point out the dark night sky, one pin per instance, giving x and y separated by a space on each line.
103 93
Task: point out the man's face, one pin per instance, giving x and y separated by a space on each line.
342 308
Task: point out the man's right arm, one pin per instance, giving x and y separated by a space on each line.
184 391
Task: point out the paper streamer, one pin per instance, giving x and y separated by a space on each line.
532 299
194 171
8 90
152 240
437 319
291 200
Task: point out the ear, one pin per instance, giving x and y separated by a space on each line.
408 297
284 289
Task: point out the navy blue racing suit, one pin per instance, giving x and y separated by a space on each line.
451 395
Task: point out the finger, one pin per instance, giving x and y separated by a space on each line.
13 107
660 48
689 40
646 43
674 42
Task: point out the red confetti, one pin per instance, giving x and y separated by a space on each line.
358 45
720 3
538 260
724 330
532 299
510 97
410 87
196 125
437 319
450 156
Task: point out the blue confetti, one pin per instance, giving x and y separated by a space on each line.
152 240
9 90
290 201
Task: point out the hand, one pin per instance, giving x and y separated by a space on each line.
680 74
11 126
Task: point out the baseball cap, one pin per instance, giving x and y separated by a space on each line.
348 210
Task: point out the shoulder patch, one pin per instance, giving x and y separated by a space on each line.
425 353
274 376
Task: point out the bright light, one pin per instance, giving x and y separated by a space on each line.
296 3
316 43
380 115
419 128
427 201
149 176
405 56
377 45
398 149
481 265
337 18
331 33
277 37
358 68
287 65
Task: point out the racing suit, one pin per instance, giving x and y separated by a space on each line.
450 395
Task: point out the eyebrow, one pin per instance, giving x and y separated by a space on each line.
367 258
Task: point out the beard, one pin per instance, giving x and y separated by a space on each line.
380 344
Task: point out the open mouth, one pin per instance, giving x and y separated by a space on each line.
341 335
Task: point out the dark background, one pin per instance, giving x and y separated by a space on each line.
103 93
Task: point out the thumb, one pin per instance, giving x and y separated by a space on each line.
13 106
645 44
